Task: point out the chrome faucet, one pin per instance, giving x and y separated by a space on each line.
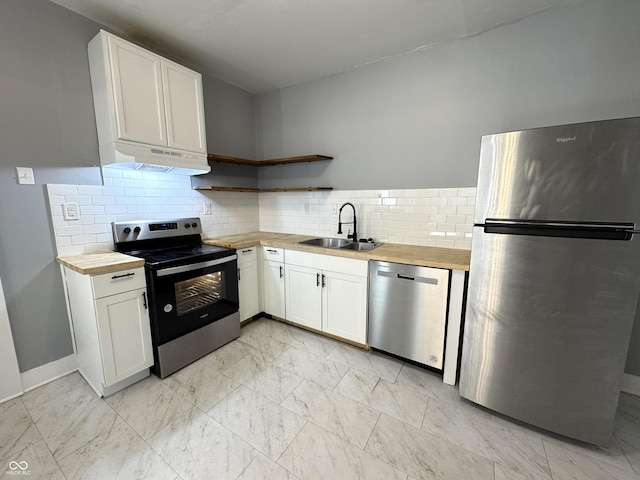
354 235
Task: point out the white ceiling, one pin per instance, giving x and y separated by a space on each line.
262 45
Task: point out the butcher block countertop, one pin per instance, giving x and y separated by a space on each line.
100 262
451 258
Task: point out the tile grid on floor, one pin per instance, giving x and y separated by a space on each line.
279 393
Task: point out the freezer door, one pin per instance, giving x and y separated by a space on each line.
582 172
548 325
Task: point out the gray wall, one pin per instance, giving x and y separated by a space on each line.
416 121
47 123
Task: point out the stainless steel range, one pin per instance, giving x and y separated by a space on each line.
192 289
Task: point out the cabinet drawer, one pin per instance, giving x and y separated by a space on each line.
247 256
273 254
117 282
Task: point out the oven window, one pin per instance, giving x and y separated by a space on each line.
199 292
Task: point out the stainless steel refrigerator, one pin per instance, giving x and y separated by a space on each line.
554 280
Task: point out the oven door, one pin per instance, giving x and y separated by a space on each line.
187 297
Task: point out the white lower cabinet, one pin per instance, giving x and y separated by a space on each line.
248 290
327 293
303 295
273 281
111 325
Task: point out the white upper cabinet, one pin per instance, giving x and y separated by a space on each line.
138 95
183 106
144 100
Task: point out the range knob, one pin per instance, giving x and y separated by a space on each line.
194 224
126 230
187 225
137 230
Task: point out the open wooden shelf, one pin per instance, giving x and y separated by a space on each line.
265 163
214 188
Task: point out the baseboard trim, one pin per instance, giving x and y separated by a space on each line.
631 384
49 372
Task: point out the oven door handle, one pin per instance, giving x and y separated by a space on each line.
194 266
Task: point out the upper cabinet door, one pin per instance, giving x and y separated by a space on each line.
184 107
138 93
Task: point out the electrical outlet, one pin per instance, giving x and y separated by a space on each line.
334 208
206 207
70 211
306 208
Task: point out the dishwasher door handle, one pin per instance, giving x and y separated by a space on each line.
413 278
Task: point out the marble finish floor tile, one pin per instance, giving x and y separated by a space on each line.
271 381
40 464
17 429
263 468
309 341
312 367
263 327
41 395
262 423
374 363
568 464
70 421
425 456
264 347
627 428
198 447
347 418
395 400
427 383
200 384
317 454
148 406
117 454
226 356
522 452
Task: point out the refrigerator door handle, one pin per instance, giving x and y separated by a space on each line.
588 230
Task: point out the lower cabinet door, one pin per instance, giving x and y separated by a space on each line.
304 292
248 290
125 334
344 306
273 288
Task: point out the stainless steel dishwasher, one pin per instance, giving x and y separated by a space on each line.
408 311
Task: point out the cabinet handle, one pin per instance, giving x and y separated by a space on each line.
281 272
130 274
317 279
247 251
271 251
323 282
144 300
238 274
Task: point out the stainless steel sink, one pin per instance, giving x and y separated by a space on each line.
341 243
326 242
360 246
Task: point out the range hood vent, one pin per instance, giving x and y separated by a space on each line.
150 158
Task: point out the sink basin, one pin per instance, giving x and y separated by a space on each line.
360 246
327 242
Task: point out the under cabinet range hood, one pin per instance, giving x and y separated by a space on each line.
156 159
149 110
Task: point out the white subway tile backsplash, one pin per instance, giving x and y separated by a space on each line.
431 217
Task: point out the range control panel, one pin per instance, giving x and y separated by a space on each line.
153 229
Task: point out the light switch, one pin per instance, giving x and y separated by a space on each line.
25 176
70 211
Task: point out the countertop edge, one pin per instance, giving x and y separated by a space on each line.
381 253
88 263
